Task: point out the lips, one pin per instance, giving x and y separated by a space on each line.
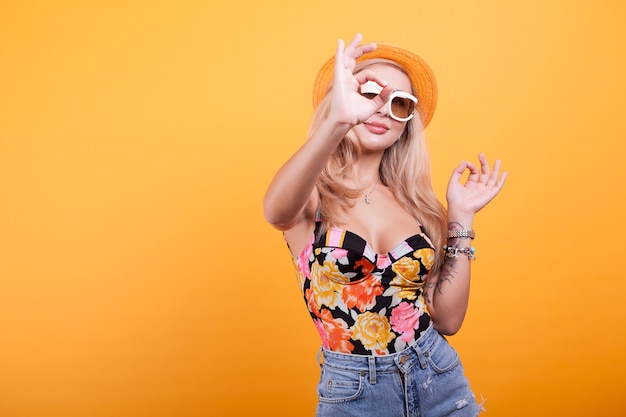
378 128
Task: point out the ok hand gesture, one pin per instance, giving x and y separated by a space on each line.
348 106
479 189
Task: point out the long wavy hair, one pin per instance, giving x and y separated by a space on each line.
404 169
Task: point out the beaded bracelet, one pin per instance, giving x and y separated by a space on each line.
453 252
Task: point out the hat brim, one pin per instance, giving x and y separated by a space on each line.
419 72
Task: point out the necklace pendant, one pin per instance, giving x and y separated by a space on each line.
367 199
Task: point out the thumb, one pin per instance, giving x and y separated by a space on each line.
458 171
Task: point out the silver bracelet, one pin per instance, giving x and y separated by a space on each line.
461 233
453 252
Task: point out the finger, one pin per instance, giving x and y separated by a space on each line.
366 75
355 41
343 62
493 178
355 51
500 183
339 56
484 165
352 51
458 171
485 171
474 175
364 49
380 99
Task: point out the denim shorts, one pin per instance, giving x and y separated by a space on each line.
425 380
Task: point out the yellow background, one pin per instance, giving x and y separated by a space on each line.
138 277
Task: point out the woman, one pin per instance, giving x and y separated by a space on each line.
384 267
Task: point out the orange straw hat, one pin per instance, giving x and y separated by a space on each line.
420 74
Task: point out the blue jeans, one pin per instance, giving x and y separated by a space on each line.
425 380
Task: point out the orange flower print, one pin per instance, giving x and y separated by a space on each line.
337 334
362 295
366 266
407 268
426 255
326 291
373 330
319 325
311 302
401 290
407 280
404 319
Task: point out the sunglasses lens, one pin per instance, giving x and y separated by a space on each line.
402 107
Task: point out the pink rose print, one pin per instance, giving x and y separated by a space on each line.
339 253
303 261
383 261
319 325
404 320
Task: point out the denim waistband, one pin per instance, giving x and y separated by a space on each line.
405 360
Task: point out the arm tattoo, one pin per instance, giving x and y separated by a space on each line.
455 225
429 284
446 274
447 270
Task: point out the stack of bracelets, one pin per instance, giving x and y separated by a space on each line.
454 251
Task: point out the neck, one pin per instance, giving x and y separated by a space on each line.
365 171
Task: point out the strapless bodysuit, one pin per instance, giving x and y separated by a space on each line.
362 302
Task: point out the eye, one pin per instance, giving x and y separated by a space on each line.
369 95
402 103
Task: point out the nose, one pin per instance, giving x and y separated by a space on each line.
383 110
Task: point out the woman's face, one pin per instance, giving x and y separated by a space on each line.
380 130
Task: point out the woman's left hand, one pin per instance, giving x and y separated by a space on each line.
481 186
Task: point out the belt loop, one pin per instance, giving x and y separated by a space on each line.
372 363
420 356
320 358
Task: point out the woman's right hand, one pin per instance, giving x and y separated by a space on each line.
291 200
348 106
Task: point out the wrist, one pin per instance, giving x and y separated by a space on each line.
333 130
460 221
454 233
455 211
340 122
458 232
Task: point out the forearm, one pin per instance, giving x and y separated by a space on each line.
293 184
447 293
450 291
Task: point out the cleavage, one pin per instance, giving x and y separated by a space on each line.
380 240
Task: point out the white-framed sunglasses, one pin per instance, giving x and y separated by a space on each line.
401 104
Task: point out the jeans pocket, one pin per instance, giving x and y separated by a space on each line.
441 356
337 385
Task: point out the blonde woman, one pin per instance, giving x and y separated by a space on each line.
384 268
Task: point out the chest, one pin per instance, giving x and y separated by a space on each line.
383 223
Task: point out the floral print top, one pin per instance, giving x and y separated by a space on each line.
362 302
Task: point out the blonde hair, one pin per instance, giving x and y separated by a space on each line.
404 169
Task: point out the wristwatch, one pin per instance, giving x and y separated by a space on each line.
461 233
